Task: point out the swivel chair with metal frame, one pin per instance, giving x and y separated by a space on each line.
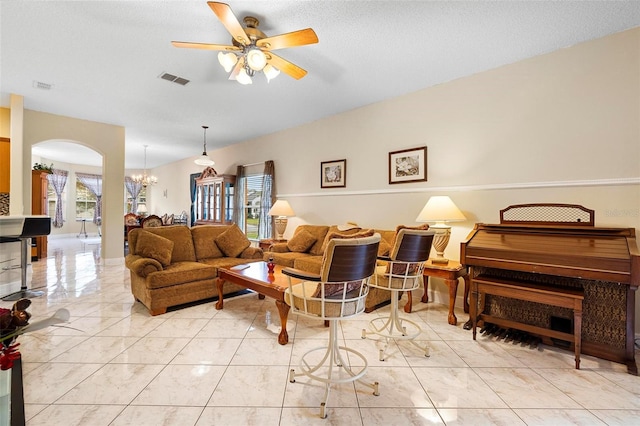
402 272
337 293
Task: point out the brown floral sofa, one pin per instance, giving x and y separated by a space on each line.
307 245
173 265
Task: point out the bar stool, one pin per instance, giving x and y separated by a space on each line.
402 272
337 293
32 227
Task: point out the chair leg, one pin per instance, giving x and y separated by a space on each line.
332 357
394 327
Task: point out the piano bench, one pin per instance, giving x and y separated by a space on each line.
530 292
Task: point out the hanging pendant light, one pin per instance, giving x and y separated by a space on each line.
204 159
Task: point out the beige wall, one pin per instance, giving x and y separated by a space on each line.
108 140
562 127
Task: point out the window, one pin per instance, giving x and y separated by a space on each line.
85 202
252 199
142 198
51 200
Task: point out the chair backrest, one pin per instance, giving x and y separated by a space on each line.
36 227
412 245
350 259
131 219
151 221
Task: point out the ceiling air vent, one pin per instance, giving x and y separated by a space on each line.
41 85
174 78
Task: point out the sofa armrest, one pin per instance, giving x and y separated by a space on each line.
143 266
279 248
252 253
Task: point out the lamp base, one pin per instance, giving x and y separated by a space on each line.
440 241
439 260
281 226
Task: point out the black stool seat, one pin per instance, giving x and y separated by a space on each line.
32 227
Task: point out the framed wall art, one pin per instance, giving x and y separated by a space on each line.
333 174
408 165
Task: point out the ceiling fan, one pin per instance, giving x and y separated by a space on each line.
251 50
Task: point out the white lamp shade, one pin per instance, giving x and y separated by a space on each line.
243 77
440 208
270 72
256 59
281 208
142 208
227 60
204 160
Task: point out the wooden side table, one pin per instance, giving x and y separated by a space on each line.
450 274
267 242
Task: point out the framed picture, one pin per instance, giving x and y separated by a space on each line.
333 174
408 165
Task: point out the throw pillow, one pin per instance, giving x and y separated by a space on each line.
384 248
232 242
155 247
301 241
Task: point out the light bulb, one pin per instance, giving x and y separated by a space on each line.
256 59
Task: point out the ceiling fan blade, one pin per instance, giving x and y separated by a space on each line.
296 38
236 70
230 22
204 46
286 66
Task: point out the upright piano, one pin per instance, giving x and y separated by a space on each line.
568 252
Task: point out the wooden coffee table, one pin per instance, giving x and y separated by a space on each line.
256 277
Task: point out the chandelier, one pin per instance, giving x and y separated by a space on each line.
144 179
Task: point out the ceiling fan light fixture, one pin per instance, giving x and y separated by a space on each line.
227 60
270 72
204 159
256 59
243 77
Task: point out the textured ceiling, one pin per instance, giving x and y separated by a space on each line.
104 58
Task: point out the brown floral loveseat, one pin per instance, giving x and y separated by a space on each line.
173 265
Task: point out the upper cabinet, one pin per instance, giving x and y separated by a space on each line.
214 198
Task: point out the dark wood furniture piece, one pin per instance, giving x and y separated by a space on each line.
214 198
39 206
528 257
450 273
256 277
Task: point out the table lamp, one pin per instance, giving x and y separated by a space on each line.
281 210
142 209
440 209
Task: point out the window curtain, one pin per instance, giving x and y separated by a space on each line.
239 211
133 189
192 189
58 179
94 185
266 225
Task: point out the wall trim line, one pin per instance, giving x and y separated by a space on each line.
472 188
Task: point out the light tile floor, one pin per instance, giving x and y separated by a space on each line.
117 365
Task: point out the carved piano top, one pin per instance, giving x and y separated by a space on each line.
588 252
